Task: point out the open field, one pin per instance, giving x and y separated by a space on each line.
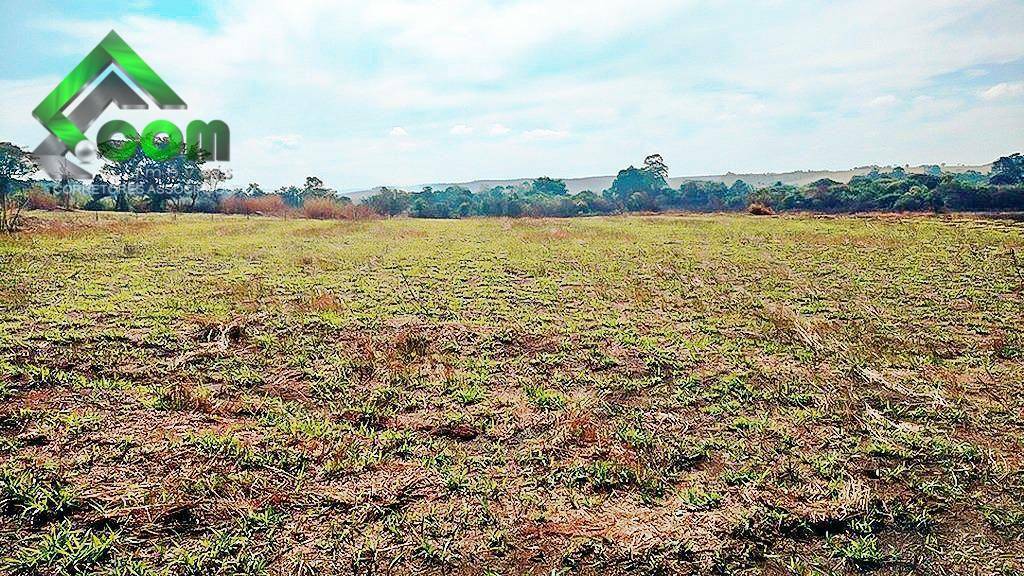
715 394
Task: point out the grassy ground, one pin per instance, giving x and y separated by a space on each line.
644 395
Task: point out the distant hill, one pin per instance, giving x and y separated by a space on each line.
757 180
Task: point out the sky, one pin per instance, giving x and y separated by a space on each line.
403 92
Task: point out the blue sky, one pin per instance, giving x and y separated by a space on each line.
404 92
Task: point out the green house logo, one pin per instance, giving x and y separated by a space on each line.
159 140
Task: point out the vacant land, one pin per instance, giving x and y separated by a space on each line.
644 395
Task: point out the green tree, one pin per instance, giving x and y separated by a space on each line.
635 186
655 164
292 195
548 186
1007 170
120 173
389 202
212 178
315 188
171 180
16 165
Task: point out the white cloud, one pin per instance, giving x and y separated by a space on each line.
461 130
886 101
545 134
1004 90
715 94
482 40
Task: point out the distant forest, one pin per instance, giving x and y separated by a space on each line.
645 189
184 183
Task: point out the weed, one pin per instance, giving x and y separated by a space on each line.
62 550
697 498
545 398
863 551
26 493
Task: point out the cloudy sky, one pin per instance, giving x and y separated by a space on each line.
404 92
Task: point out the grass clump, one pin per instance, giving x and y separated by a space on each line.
863 551
62 550
545 398
25 493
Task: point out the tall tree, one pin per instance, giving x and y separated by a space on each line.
1008 170
213 178
161 181
16 165
292 195
119 170
312 183
655 164
637 184
315 188
548 186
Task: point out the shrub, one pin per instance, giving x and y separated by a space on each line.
271 205
329 209
759 209
39 200
233 205
268 205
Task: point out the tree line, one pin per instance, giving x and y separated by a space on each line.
183 182
646 189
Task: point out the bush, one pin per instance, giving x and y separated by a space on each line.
759 209
233 205
272 205
329 209
39 200
268 205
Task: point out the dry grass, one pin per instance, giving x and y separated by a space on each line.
634 395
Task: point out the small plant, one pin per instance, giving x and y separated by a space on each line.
22 492
470 394
75 422
62 550
604 475
262 520
456 480
750 423
635 436
699 499
431 553
223 553
1008 521
545 398
183 396
863 551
